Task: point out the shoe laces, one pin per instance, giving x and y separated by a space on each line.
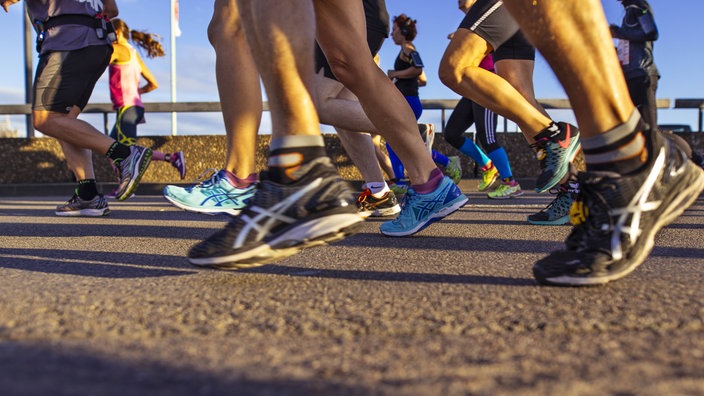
590 215
363 196
209 177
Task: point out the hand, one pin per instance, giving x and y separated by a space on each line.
390 73
7 3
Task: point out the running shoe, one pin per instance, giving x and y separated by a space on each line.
489 177
399 187
505 191
453 170
427 133
420 210
280 220
558 211
178 161
616 218
76 206
212 195
131 170
369 205
555 151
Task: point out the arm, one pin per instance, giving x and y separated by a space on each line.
7 3
646 30
148 76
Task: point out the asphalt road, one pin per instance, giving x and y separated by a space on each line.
110 306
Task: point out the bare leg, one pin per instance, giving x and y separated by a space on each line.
359 147
460 71
68 128
382 156
341 32
238 88
284 33
598 93
79 160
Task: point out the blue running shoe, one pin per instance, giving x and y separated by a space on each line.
419 210
214 195
555 149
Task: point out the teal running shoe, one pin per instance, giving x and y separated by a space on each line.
556 147
558 211
419 210
214 195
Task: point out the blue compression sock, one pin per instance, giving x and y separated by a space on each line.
396 164
440 159
500 160
474 152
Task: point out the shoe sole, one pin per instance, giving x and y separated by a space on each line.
560 221
442 213
85 213
488 186
562 171
144 162
312 233
213 212
382 212
516 194
679 203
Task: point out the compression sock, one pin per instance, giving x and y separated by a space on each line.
87 189
433 182
500 160
440 159
289 153
621 149
471 149
396 164
118 151
160 156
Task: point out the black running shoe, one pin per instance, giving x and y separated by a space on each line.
555 150
616 218
280 220
369 205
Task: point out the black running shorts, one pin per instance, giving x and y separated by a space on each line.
66 78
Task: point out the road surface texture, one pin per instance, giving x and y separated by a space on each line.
110 306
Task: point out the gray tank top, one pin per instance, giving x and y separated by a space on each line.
66 37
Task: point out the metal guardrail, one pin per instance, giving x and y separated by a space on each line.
428 104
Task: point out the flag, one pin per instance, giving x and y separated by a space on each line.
174 19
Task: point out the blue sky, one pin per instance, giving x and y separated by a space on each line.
680 62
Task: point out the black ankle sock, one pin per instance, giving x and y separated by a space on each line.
290 153
118 151
87 189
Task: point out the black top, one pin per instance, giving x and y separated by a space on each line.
639 31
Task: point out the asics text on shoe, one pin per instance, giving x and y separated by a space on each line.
420 210
282 219
214 195
616 218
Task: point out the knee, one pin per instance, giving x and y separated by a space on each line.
225 26
453 138
449 73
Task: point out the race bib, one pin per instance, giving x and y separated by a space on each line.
622 50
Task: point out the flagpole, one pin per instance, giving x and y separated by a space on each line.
172 7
